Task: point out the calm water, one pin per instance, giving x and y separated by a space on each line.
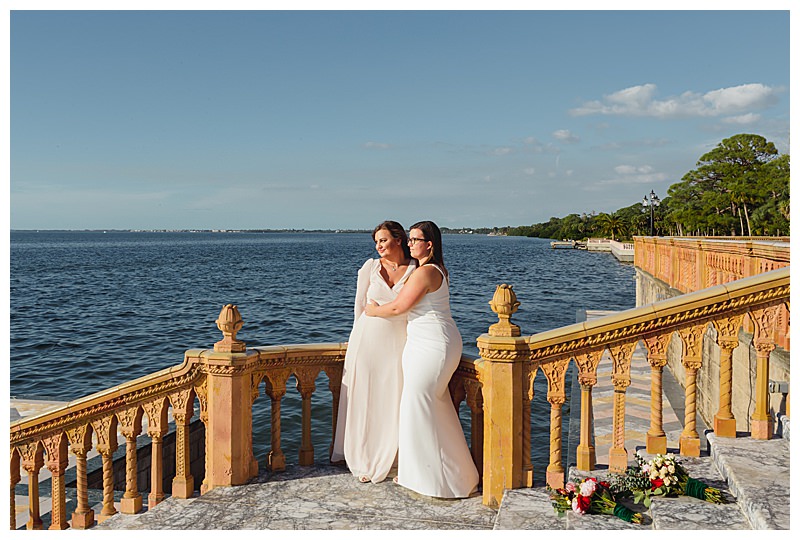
92 310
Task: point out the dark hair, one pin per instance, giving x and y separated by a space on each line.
432 234
398 232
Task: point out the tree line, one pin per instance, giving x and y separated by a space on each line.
740 188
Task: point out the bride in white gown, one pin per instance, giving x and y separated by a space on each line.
433 458
372 380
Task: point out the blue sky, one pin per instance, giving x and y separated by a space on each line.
242 120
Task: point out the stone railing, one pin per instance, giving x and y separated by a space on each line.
497 387
510 362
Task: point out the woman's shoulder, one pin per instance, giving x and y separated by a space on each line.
369 265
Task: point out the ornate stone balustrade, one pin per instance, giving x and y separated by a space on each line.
510 362
497 387
688 264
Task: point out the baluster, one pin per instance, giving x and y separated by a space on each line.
761 423
727 340
157 427
182 411
692 338
255 380
14 480
586 458
276 389
32 462
556 396
105 429
656 439
457 391
335 386
621 378
80 442
130 424
57 460
201 390
529 374
305 378
475 404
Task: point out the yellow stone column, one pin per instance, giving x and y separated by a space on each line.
229 428
554 371
157 427
105 429
57 460
504 355
474 399
14 480
727 340
130 421
692 338
182 412
621 378
80 442
761 424
32 462
586 457
656 439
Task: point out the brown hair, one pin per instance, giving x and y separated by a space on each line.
398 232
432 234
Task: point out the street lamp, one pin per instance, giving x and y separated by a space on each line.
652 201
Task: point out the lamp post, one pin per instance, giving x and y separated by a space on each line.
652 201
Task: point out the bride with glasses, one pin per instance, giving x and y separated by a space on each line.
433 457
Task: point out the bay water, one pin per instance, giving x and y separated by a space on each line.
91 310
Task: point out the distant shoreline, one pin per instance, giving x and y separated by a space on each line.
445 230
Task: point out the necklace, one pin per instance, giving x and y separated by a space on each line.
392 265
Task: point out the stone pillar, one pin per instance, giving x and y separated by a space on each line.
182 410
305 378
727 340
529 375
157 427
504 356
57 460
276 389
130 421
105 428
586 458
692 360
621 378
32 462
475 404
656 439
335 386
80 441
554 371
761 423
230 418
14 480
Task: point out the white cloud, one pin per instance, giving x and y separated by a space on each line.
748 118
631 169
566 135
530 171
502 151
380 146
641 101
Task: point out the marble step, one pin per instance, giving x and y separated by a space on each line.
758 475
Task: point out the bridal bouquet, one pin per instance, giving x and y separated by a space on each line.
590 497
662 476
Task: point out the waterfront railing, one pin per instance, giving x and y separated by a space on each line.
498 388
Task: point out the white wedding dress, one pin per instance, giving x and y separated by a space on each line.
372 381
434 458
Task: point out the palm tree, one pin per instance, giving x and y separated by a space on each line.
612 224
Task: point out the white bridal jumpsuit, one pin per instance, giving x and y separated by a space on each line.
372 380
434 458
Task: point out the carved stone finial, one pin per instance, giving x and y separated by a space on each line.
229 322
504 303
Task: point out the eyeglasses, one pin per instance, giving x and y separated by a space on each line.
412 241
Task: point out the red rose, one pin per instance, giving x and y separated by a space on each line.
605 484
584 503
657 482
